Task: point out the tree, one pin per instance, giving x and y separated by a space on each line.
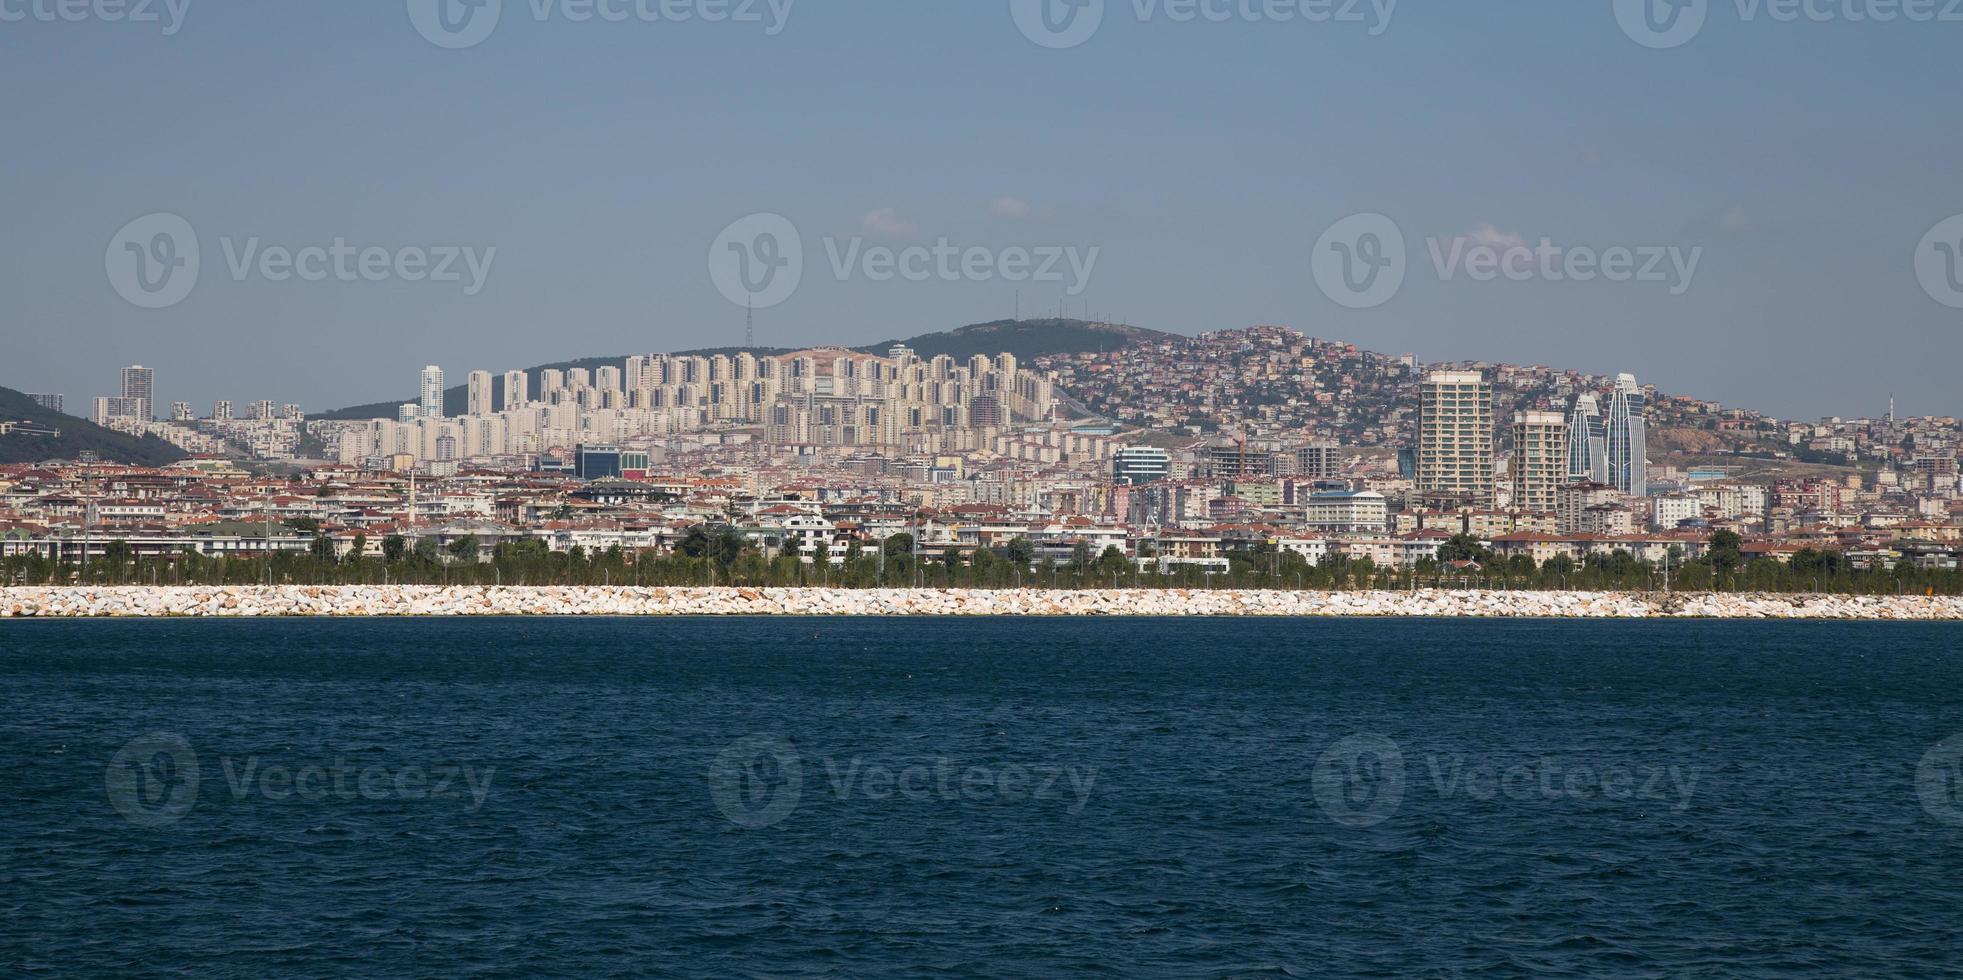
465 549
1464 547
898 546
1080 556
1726 553
393 548
322 548
1022 551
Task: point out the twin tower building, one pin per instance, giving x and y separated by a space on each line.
1457 439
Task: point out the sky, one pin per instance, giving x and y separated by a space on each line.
1761 199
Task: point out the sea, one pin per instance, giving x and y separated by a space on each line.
980 798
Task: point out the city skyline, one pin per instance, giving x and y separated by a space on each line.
1632 156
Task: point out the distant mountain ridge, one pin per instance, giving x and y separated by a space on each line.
1025 339
78 435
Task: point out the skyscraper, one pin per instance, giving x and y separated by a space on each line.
431 404
478 394
1588 460
139 390
1455 436
517 389
1540 463
1628 444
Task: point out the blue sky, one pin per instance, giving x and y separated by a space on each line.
1202 160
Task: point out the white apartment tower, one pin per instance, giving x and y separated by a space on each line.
1628 443
139 391
431 403
1540 459
478 394
1588 447
1455 436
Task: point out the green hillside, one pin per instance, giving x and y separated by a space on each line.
78 435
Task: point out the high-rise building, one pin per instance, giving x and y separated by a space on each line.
221 411
1455 436
1318 462
139 390
50 402
1628 444
517 389
1135 465
181 412
1540 463
430 405
1588 452
478 393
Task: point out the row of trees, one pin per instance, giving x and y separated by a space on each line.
725 557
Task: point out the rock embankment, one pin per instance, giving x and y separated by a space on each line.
400 600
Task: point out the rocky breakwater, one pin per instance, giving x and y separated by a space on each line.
410 601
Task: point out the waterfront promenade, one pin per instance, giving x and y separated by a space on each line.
397 601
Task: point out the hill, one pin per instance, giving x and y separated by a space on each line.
1026 339
1023 338
78 435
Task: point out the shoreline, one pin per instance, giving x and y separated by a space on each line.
401 601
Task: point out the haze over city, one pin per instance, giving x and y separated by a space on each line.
591 165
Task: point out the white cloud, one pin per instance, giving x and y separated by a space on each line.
1489 235
1009 207
887 222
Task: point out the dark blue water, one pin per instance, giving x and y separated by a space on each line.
980 797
